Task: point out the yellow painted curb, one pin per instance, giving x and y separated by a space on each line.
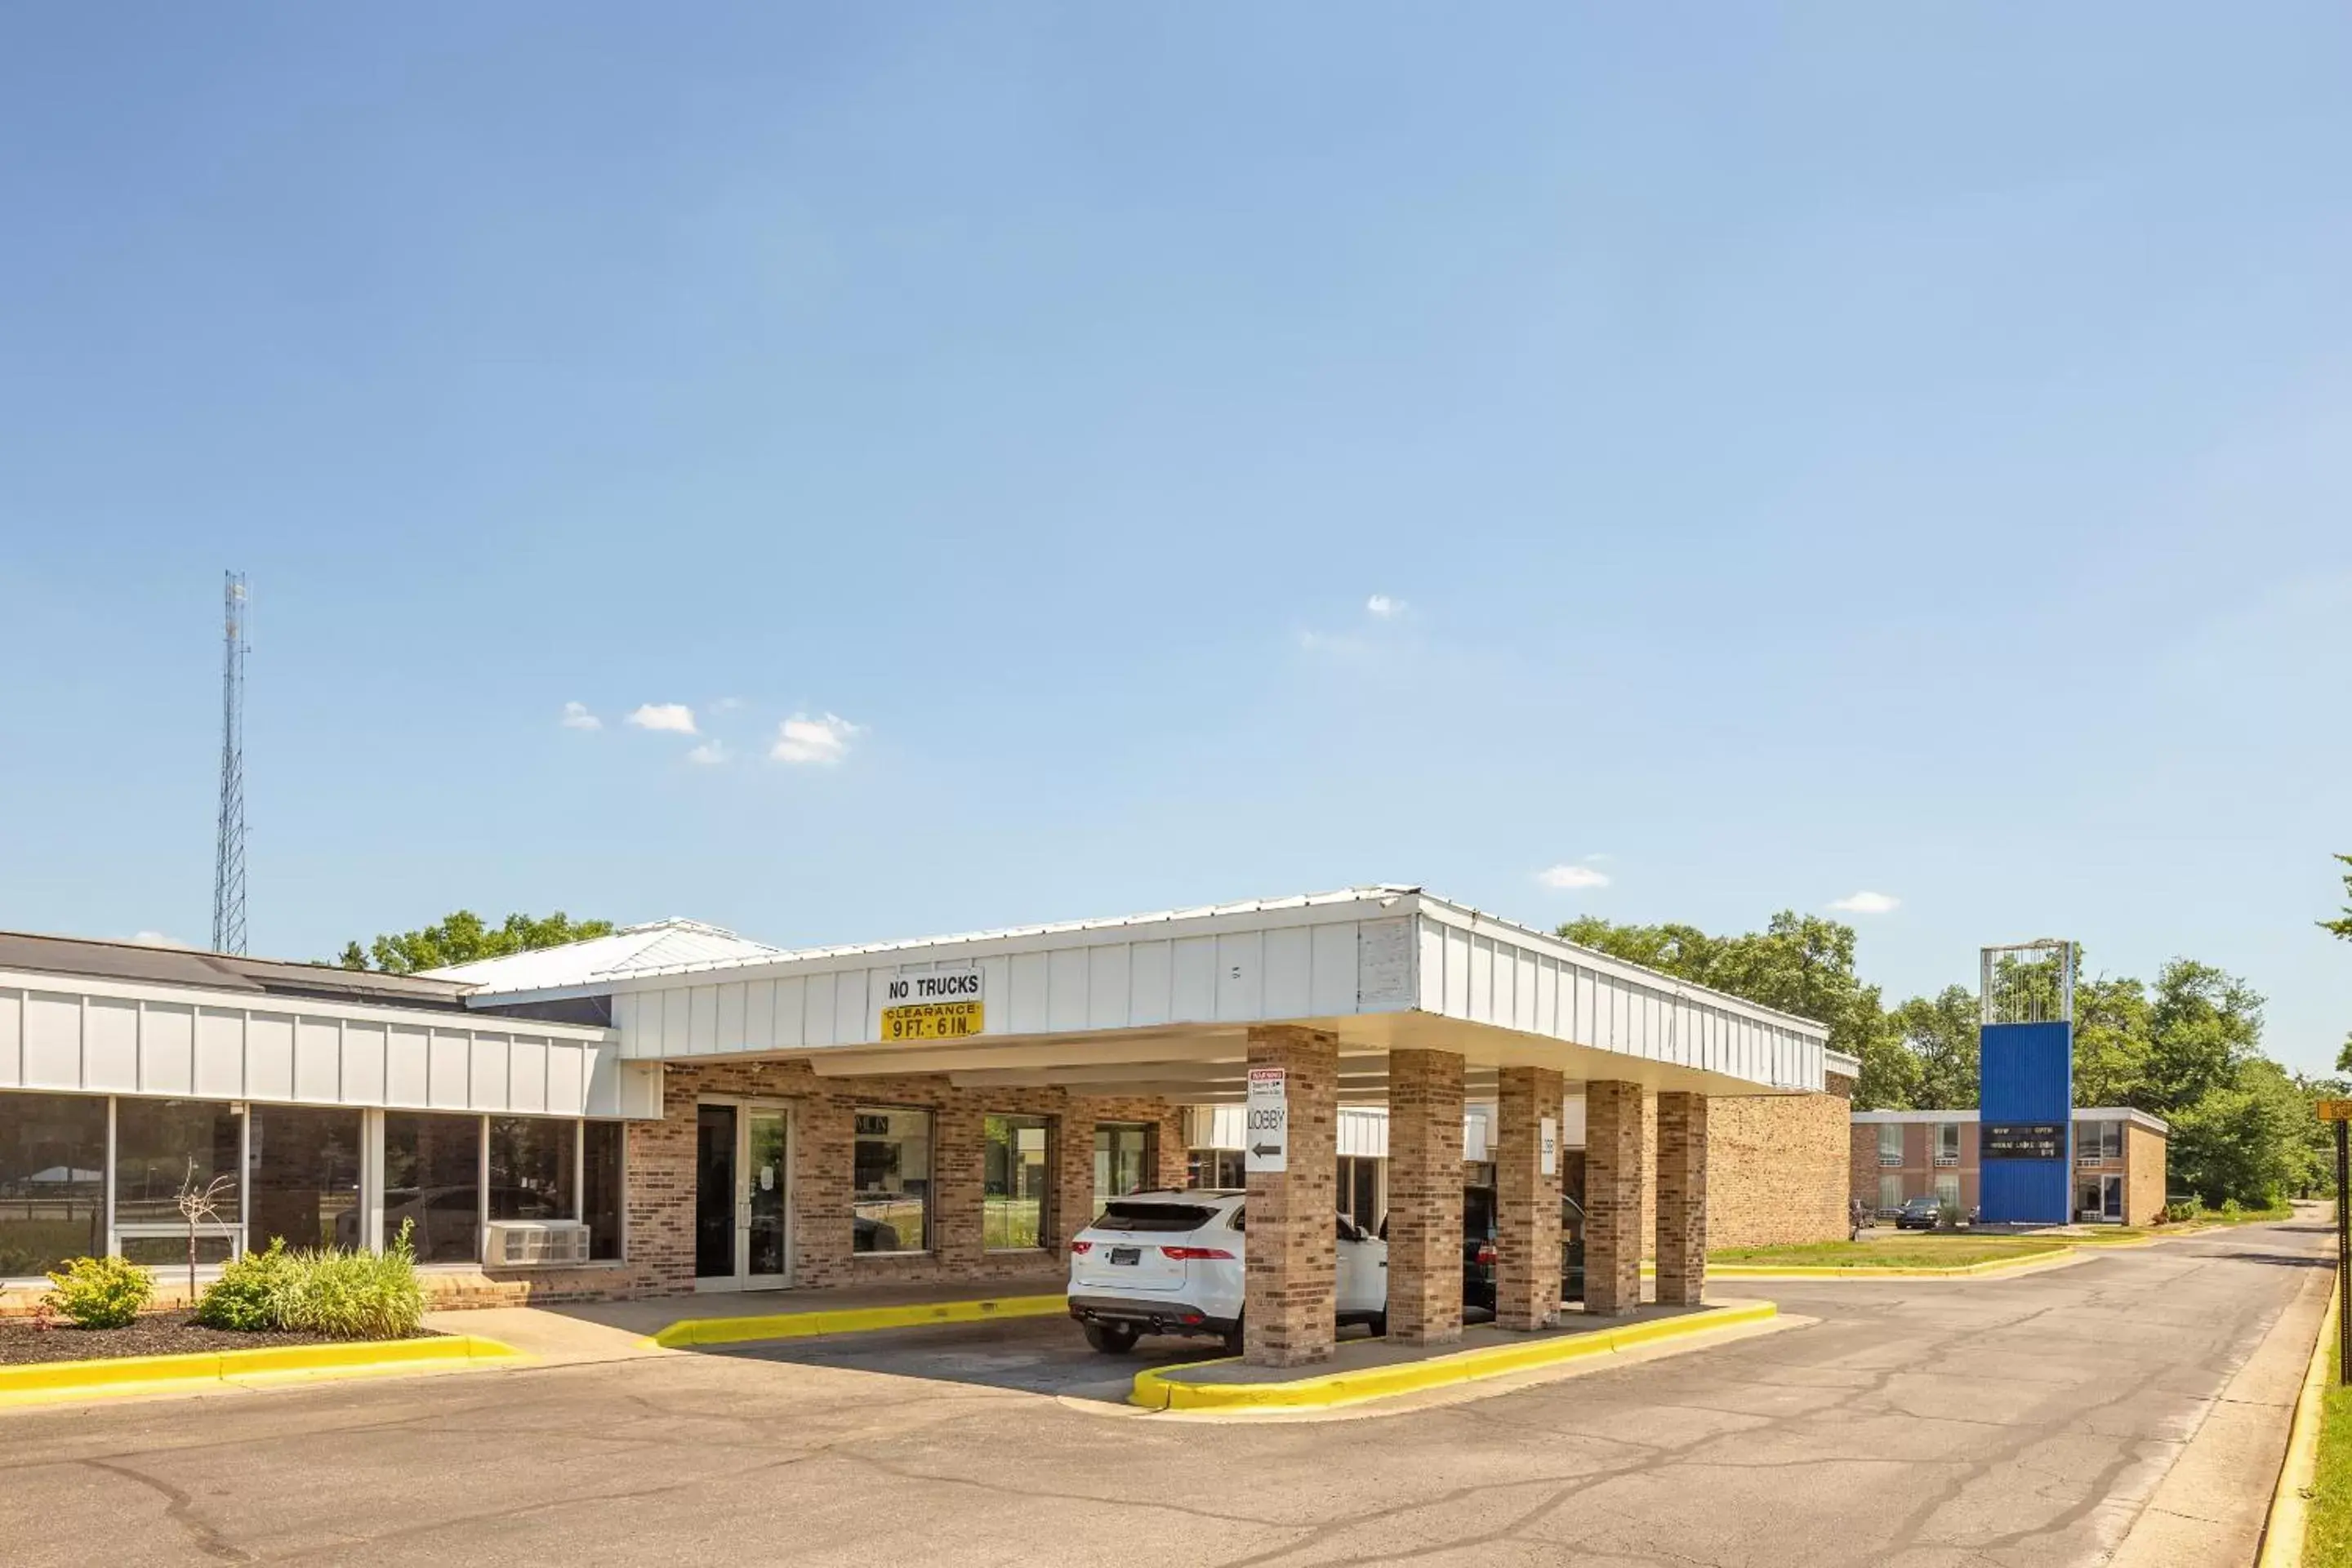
1991 1265
52 1381
1155 1391
2290 1511
690 1332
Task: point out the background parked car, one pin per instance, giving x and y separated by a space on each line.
1480 1238
1919 1214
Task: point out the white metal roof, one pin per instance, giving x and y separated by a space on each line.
490 981
658 947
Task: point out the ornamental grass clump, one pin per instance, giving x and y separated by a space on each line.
333 1292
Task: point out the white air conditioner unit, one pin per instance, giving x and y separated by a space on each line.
536 1244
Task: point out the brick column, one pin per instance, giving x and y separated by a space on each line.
1613 1197
1424 1197
1682 1199
1074 1171
1526 1201
958 1184
1292 1255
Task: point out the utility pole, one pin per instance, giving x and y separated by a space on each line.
228 850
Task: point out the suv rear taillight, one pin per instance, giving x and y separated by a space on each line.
1077 1247
1486 1252
1198 1254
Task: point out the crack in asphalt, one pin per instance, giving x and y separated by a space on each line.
180 1510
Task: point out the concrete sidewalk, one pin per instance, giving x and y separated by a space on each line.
614 1330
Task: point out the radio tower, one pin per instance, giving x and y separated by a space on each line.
228 854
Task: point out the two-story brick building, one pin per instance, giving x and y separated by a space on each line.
2118 1160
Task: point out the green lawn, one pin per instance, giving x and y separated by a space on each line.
1927 1250
2327 1536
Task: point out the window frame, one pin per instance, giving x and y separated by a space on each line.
930 1179
1947 1148
231 1230
1890 1145
1018 1120
234 1228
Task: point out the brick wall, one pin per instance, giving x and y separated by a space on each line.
1779 1168
660 1175
2144 1157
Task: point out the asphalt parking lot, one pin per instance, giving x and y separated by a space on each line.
1922 1424
1034 1355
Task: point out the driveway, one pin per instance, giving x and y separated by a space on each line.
2005 1421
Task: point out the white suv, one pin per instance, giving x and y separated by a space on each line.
1171 1263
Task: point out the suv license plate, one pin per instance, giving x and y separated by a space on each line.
1127 1254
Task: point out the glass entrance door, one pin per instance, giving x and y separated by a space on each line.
742 1225
714 1192
763 1197
2112 1206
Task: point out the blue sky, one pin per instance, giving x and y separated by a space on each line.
1798 452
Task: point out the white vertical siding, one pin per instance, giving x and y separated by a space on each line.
122 1038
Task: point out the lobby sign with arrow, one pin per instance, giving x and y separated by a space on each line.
1266 1133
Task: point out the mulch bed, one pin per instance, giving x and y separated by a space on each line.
157 1333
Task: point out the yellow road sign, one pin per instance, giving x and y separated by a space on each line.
2336 1109
931 1021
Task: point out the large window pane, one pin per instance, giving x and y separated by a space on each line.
600 1204
52 1181
532 1167
163 1146
432 1178
1122 1154
890 1197
304 1167
1016 1183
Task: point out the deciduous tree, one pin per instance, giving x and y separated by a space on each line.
465 938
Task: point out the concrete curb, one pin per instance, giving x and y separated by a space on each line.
52 1382
1989 1269
689 1332
2282 1529
1154 1390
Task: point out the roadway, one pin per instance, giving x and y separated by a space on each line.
1920 1425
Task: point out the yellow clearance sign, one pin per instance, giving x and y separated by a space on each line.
931 1020
933 1005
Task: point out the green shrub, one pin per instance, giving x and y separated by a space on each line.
2180 1213
249 1296
99 1292
2230 1211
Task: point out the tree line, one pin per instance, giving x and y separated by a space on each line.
2186 1047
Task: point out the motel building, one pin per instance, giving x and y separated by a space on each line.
672 1109
2117 1153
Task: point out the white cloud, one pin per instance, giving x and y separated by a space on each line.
577 717
708 754
157 939
1381 607
807 739
1866 902
726 705
672 716
1564 878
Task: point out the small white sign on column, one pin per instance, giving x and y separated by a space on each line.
1549 1144
1265 1133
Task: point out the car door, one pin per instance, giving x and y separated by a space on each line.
1362 1283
